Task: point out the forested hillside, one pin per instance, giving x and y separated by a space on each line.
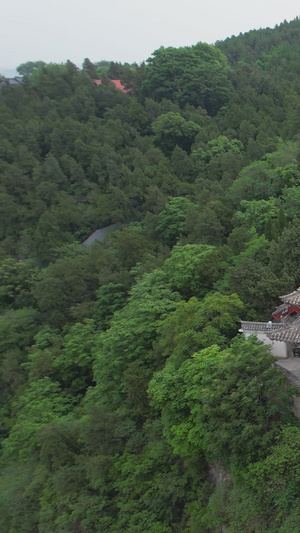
128 401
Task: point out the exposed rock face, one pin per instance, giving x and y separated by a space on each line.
296 408
218 475
291 368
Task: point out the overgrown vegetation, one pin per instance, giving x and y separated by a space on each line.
123 380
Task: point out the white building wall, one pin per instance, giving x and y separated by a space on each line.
279 349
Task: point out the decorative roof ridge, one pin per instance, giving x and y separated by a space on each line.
280 308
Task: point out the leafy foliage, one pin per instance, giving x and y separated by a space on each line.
127 401
196 74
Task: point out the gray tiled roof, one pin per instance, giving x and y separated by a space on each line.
288 333
293 298
261 326
17 80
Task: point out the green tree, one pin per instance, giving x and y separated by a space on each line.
129 339
257 181
40 404
290 201
110 298
90 68
276 477
171 130
73 366
63 285
16 280
257 286
210 225
25 69
283 255
256 213
196 324
197 75
220 145
18 502
226 403
172 220
18 327
193 269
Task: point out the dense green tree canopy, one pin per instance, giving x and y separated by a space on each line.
129 401
197 74
27 68
217 400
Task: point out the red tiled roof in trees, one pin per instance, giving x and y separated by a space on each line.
117 83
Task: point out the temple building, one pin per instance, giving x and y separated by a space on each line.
283 333
289 310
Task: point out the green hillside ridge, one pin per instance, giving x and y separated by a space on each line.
124 383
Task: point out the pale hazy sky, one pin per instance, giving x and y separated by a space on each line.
125 30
